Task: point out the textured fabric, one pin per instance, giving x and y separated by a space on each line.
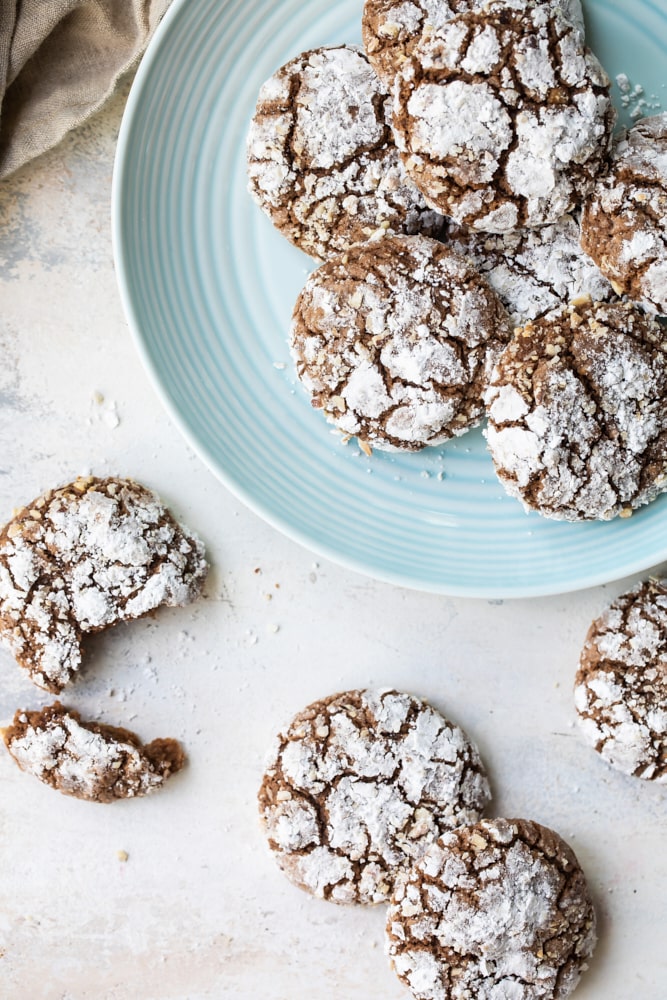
59 61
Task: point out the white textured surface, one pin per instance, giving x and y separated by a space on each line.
199 910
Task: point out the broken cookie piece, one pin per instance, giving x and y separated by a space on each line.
89 760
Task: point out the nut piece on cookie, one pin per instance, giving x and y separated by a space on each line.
395 341
83 557
322 162
621 687
577 410
624 223
496 910
89 760
358 786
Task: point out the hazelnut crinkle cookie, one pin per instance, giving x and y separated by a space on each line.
359 784
621 687
83 557
395 340
322 162
624 223
577 411
89 760
503 121
495 911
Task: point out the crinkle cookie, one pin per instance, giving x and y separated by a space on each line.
392 28
621 687
496 911
89 760
395 341
359 784
578 412
534 271
322 162
624 224
503 121
83 557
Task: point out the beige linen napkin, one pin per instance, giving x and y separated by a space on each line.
59 61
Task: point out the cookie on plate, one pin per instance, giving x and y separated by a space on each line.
395 341
83 557
89 760
504 119
359 784
624 223
621 686
322 162
495 911
577 411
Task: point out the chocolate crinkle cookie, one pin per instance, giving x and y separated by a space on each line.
83 557
503 117
322 162
578 412
534 271
395 341
621 687
89 760
359 785
624 224
495 911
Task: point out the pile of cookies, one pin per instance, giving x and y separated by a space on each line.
487 246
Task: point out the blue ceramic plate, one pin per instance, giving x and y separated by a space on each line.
208 287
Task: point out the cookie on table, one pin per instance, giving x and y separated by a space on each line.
624 223
621 686
395 341
503 120
322 162
495 911
577 412
89 760
359 784
534 271
83 557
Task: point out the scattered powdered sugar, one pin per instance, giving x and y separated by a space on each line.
359 784
635 99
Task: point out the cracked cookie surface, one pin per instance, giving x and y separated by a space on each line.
577 412
395 340
503 121
495 911
359 784
83 557
621 686
89 760
624 223
322 162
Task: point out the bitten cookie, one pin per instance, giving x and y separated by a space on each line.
395 341
578 412
83 557
359 784
322 162
496 911
503 117
89 760
624 223
621 687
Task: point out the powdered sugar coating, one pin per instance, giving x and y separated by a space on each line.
534 271
503 121
83 557
624 224
496 911
577 412
395 341
322 162
621 686
359 784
